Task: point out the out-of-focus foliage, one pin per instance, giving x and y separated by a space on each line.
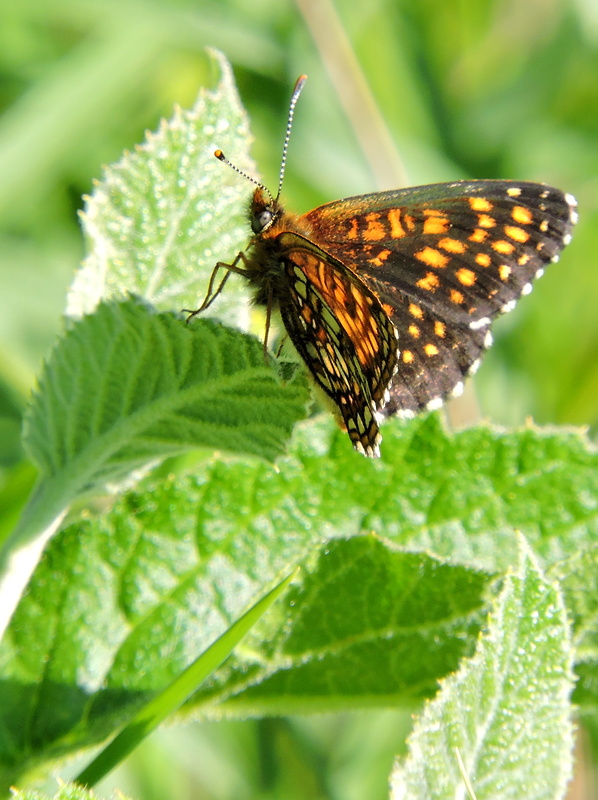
466 89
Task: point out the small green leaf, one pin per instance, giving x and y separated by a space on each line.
160 219
507 710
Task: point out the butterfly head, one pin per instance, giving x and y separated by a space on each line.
264 210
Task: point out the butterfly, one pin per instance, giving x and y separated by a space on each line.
389 297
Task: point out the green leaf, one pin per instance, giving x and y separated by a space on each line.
464 496
578 576
507 709
67 791
120 606
160 219
127 386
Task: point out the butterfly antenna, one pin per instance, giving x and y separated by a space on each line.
221 157
296 92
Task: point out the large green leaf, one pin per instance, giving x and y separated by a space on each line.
123 389
503 722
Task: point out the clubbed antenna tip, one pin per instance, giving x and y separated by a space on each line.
221 157
295 96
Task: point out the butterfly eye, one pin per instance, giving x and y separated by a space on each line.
261 219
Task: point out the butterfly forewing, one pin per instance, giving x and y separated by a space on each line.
444 260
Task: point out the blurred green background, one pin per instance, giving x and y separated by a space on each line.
399 93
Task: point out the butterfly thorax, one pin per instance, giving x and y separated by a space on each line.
264 267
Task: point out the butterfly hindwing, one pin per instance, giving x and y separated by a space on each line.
342 333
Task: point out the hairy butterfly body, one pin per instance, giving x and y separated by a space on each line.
389 297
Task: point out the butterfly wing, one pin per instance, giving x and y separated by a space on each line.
342 333
444 261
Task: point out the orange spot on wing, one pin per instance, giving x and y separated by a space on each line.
504 271
478 235
466 276
416 311
396 229
483 259
518 234
430 349
485 221
452 245
375 229
522 261
435 225
432 257
429 282
456 296
414 331
440 329
503 247
522 215
407 356
479 204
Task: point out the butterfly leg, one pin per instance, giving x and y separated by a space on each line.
211 295
281 345
270 300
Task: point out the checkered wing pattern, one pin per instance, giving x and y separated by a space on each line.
342 333
443 260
